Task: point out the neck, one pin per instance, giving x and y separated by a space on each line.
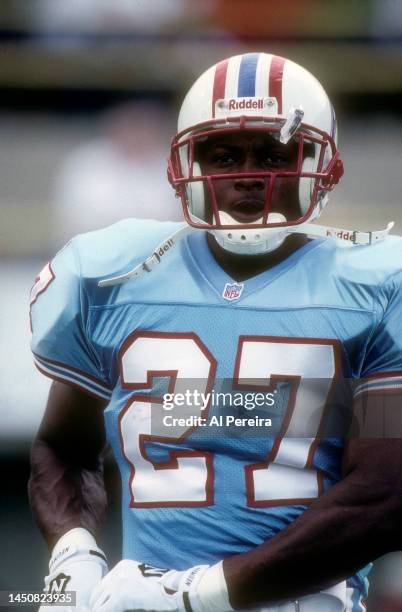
242 267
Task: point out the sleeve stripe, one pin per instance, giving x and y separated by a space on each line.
64 373
58 364
389 383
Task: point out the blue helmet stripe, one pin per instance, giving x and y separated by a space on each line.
247 75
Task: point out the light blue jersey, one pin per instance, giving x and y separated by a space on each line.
196 491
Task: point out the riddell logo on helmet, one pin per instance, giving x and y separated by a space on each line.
341 234
266 105
236 104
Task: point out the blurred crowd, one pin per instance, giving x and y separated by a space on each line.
120 173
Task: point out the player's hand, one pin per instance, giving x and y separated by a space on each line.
133 586
137 586
77 564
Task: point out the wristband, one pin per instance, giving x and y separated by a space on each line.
77 540
211 592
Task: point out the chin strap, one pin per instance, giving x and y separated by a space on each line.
151 261
311 229
354 236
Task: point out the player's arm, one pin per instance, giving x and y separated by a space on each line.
67 493
66 487
358 519
354 522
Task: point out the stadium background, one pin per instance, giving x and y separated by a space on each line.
63 67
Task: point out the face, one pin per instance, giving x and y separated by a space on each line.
244 197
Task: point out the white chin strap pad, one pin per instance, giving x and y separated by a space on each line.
250 241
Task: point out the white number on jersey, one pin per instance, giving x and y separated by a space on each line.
185 478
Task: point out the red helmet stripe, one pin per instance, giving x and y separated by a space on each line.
275 80
219 83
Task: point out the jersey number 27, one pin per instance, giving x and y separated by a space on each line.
286 475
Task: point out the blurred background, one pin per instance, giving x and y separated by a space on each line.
89 94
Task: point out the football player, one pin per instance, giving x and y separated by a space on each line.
248 296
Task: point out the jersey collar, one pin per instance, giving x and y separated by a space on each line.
216 277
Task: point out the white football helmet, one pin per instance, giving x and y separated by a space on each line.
259 92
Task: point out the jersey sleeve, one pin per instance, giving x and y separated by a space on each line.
382 366
60 343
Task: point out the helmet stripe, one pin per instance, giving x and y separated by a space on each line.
248 67
219 83
275 80
261 88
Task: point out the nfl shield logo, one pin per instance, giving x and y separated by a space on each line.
232 291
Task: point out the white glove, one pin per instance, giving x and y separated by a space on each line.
204 589
140 587
127 587
76 564
330 600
